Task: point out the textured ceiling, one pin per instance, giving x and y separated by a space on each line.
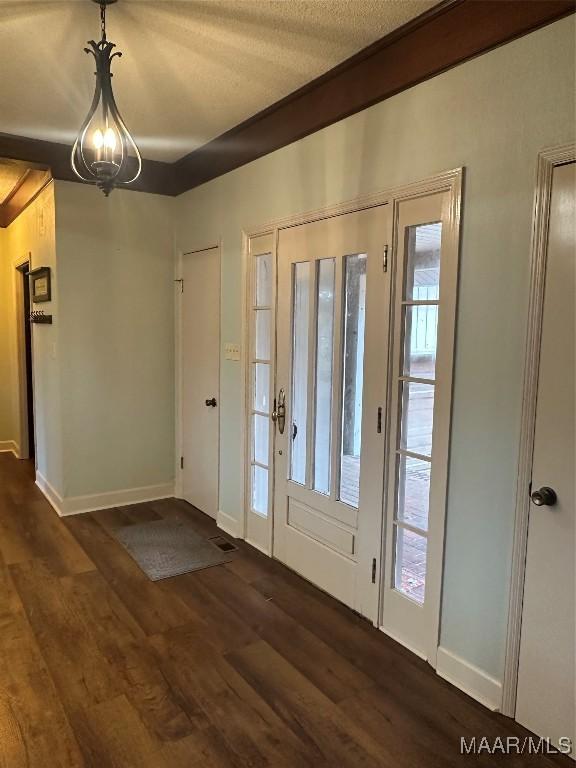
191 69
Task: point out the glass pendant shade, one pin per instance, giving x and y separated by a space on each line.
104 153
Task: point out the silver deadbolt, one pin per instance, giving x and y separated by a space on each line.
279 412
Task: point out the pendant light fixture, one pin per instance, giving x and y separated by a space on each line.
104 153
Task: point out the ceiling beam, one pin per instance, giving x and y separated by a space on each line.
156 177
28 187
447 35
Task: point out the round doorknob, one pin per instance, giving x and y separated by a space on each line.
211 403
544 497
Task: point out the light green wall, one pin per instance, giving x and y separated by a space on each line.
116 344
31 236
491 115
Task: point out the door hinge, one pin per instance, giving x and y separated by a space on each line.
181 462
379 421
374 571
181 281
385 259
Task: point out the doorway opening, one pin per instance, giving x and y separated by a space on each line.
28 446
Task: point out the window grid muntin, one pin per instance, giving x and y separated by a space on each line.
402 379
254 361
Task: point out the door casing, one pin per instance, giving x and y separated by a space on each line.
547 160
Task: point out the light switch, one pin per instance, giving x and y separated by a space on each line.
231 351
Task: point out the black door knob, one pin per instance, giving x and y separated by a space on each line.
544 497
211 403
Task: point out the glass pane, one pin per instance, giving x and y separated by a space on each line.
263 319
324 353
410 570
420 334
260 438
260 490
264 280
353 376
299 400
413 491
417 417
261 387
423 261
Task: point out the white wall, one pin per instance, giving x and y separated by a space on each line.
116 340
492 115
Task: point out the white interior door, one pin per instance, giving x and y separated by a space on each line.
200 371
332 331
546 680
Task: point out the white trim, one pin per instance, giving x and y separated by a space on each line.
229 525
50 493
75 505
178 374
473 681
547 161
19 353
9 446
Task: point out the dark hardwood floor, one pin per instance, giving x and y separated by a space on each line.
241 665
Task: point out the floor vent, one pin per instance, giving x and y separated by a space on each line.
223 544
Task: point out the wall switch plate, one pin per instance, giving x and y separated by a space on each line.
231 351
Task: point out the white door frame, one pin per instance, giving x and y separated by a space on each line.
448 181
547 160
178 287
19 356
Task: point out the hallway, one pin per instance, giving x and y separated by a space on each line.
238 665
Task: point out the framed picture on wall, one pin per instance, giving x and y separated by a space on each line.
40 286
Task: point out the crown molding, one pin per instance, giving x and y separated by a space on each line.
450 33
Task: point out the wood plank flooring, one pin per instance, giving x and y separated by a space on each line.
239 666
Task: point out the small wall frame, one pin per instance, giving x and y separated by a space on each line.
40 285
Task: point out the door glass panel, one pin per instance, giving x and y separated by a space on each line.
260 437
300 341
324 356
410 571
420 333
263 320
260 490
423 261
413 491
264 280
353 376
261 387
417 417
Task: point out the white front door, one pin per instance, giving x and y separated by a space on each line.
333 314
546 675
200 373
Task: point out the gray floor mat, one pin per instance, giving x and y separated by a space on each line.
165 548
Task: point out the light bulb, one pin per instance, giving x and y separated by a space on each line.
110 139
98 139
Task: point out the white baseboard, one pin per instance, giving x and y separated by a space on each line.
229 524
76 505
473 681
9 446
50 493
